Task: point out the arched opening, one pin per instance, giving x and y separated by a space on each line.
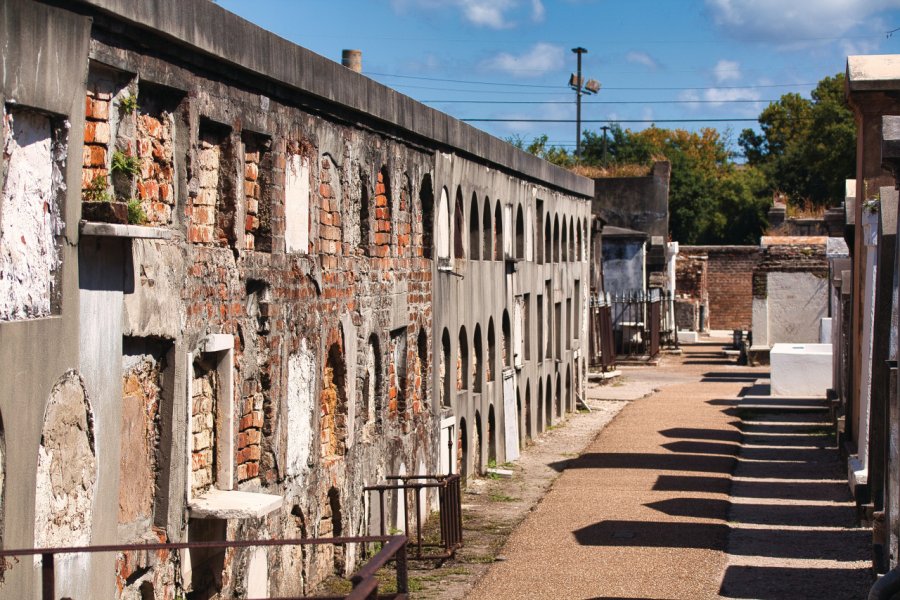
477 363
570 405
565 241
462 361
556 239
520 233
462 451
371 382
492 437
548 253
474 234
337 528
577 229
585 241
559 412
519 417
498 232
548 404
442 231
477 465
384 209
572 238
421 374
426 203
459 226
488 251
506 346
397 374
528 425
492 351
445 387
334 405
529 235
364 222
539 413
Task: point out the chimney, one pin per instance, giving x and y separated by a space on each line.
352 59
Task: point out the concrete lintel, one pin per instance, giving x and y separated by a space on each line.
125 231
218 342
890 143
232 504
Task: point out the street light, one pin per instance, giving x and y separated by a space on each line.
577 83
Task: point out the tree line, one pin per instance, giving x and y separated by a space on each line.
804 151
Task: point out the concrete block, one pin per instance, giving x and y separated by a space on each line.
688 337
221 504
800 369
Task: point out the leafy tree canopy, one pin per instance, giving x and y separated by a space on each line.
806 150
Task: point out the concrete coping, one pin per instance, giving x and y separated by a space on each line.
873 72
118 230
836 247
232 504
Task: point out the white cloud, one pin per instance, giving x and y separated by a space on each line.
718 96
541 59
781 21
727 70
642 58
495 14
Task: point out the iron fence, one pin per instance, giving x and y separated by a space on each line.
449 490
365 581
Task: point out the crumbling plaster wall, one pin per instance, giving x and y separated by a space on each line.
43 70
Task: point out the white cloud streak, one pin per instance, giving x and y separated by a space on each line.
541 59
727 70
493 14
643 59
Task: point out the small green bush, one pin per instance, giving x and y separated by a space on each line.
97 191
136 214
122 163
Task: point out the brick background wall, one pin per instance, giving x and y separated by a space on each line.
729 282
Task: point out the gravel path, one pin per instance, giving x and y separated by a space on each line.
649 510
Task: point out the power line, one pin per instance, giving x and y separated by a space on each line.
527 120
562 87
596 101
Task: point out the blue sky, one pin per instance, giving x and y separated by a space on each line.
656 59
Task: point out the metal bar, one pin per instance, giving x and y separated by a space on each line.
194 545
381 511
402 566
418 522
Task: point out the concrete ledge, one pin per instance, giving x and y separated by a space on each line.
605 376
124 231
232 504
688 337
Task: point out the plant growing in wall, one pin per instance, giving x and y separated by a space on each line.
97 191
129 104
136 214
125 164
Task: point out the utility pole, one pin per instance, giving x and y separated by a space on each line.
578 84
579 51
605 129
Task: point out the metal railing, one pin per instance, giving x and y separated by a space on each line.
450 511
365 581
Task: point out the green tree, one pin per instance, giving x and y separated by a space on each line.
807 147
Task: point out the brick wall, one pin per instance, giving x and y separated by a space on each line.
729 282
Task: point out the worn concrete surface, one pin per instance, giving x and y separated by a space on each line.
648 509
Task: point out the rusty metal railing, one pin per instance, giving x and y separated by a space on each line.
450 511
638 321
365 581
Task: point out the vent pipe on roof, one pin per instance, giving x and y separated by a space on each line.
352 59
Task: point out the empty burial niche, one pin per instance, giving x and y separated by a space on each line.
426 204
213 208
31 208
67 468
397 373
462 450
155 131
211 435
333 405
474 233
145 401
205 566
371 384
256 150
365 223
491 365
446 393
459 227
421 373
